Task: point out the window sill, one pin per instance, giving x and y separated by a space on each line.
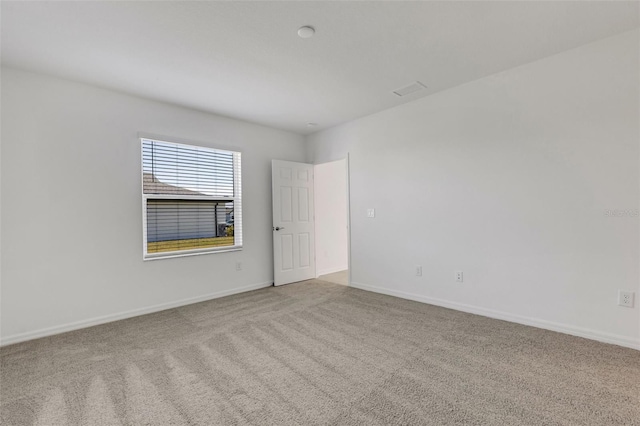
185 253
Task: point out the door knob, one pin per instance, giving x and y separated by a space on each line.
277 228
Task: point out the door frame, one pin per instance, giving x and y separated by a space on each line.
346 159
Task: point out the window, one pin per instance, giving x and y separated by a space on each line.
192 201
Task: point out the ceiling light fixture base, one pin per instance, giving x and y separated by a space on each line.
306 32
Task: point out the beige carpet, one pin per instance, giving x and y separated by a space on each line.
316 353
340 277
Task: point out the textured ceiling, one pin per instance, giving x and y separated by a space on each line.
244 59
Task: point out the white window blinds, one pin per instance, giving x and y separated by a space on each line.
192 199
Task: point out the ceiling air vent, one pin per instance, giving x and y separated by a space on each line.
412 88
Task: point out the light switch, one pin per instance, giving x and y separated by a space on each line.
371 212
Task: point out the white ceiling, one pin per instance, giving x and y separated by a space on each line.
245 60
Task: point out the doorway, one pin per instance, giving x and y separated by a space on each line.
331 187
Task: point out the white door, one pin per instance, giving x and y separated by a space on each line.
293 227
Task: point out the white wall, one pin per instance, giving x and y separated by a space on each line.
71 206
507 179
330 180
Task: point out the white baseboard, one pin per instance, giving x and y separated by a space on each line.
49 331
534 322
330 270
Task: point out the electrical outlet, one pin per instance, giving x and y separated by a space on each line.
371 212
625 298
458 275
238 266
418 271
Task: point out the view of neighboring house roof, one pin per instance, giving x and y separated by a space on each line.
152 185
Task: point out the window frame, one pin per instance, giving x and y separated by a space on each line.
236 199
